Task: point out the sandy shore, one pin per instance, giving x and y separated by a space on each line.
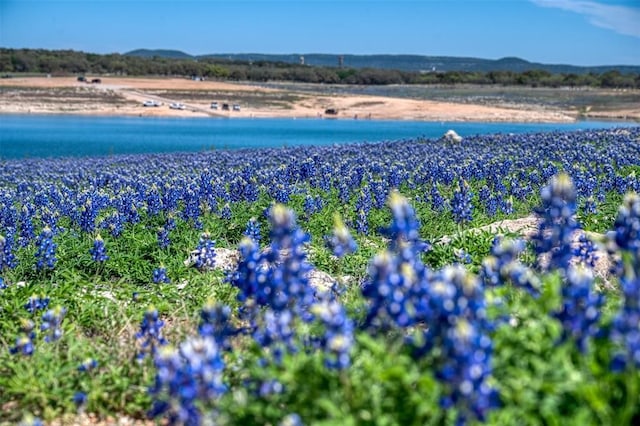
124 96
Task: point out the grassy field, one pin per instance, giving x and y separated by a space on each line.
184 287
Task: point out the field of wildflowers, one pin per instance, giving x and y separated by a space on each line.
112 299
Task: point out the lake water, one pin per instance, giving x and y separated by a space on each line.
29 136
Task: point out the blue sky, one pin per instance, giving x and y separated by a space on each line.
579 32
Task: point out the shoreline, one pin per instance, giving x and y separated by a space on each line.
605 119
124 96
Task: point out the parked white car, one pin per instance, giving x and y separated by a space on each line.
214 105
236 107
151 103
176 105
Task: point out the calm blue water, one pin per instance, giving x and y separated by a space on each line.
28 136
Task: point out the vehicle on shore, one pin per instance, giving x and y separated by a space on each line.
176 105
214 105
151 103
236 107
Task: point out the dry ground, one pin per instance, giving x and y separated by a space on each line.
124 96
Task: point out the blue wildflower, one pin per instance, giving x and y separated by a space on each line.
205 252
253 230
586 251
341 242
624 240
215 323
80 400
46 253
186 379
338 339
98 251
7 258
87 365
503 266
558 224
580 310
51 323
160 275
292 419
36 303
624 330
461 205
150 334
163 237
24 346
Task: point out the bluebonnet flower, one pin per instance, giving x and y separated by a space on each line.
624 240
274 286
253 230
404 231
341 242
289 275
276 331
337 340
87 365
27 232
363 207
80 400
438 203
23 346
87 216
186 379
46 253
98 251
2 284
506 206
379 189
160 275
292 419
395 276
309 206
462 256
402 292
249 275
456 314
113 223
589 206
461 205
163 237
558 224
270 387
586 251
580 310
226 212
150 334
362 222
215 323
51 323
7 258
503 266
36 303
27 327
205 252
624 330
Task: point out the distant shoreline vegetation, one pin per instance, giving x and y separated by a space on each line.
367 70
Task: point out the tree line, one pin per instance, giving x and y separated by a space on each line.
69 62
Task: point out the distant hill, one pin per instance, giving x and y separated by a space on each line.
162 53
398 62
